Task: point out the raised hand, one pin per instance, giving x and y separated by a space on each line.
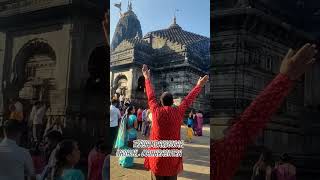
296 64
203 80
146 71
105 25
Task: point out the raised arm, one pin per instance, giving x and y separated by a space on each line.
152 101
188 100
228 152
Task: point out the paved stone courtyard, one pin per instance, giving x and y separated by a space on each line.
196 161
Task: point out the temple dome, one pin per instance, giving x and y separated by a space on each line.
128 27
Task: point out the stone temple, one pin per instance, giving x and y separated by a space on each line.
55 51
176 57
249 40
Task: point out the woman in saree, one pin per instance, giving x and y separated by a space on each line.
126 135
199 123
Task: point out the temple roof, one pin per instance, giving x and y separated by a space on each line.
128 27
136 43
176 34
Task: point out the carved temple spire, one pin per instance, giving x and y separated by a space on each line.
174 23
174 20
129 5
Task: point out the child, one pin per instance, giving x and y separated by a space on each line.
189 133
190 120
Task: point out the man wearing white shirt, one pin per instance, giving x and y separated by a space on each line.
37 115
115 116
121 99
16 162
144 121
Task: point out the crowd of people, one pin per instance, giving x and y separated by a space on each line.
41 152
143 116
157 122
194 123
36 124
127 117
266 169
126 121
33 146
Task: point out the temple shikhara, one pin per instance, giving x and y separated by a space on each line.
176 58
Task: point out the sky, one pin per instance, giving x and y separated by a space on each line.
192 15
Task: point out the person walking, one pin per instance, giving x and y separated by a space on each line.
36 116
139 116
126 135
115 116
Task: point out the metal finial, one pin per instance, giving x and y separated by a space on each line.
130 5
175 16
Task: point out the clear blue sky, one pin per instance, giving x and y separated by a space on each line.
193 15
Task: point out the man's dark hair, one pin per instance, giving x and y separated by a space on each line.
12 127
114 101
166 99
54 135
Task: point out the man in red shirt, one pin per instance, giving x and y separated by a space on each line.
226 154
166 125
139 118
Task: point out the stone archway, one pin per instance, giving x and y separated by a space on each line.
120 88
33 75
35 57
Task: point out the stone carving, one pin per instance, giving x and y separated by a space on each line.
128 27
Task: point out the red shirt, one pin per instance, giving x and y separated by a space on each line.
139 115
166 125
226 154
95 164
38 163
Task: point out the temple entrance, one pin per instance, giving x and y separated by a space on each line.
33 76
121 87
39 70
